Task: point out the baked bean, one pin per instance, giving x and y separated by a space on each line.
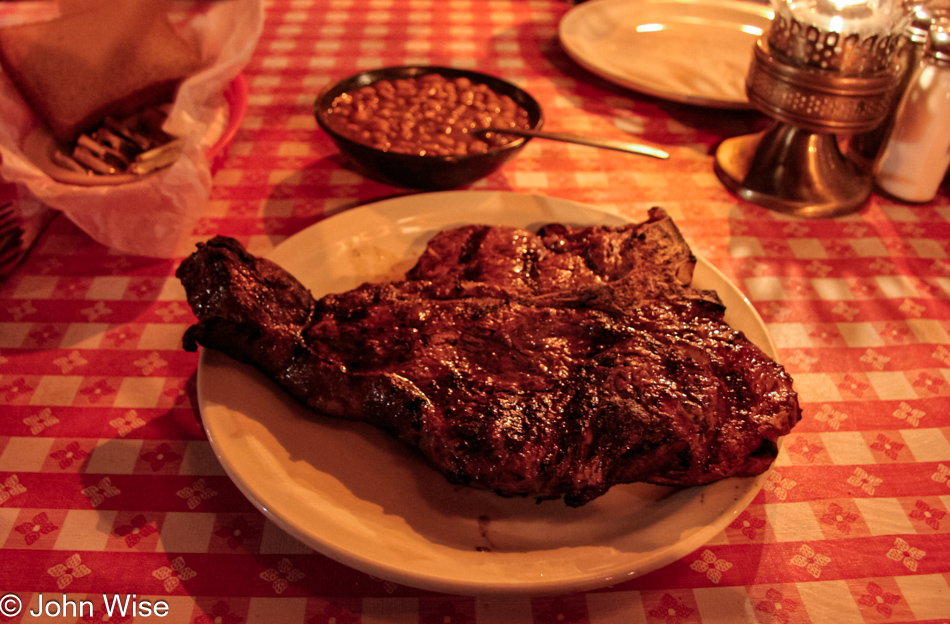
428 115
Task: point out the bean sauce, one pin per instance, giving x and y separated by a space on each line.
429 115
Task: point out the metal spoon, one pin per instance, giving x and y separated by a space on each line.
612 144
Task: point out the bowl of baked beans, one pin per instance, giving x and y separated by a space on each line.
418 126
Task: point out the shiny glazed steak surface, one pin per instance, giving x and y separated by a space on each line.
550 364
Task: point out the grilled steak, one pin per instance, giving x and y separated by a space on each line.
550 364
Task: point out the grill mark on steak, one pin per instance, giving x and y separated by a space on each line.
549 365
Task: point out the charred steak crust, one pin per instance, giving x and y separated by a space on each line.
550 364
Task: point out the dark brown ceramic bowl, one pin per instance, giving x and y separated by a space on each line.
424 172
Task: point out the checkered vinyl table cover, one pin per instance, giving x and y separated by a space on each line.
109 486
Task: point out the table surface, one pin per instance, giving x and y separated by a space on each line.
108 484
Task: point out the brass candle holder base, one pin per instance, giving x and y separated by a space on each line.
796 166
791 170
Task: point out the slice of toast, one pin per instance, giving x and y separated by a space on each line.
112 60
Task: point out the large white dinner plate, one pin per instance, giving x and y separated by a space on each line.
362 498
691 51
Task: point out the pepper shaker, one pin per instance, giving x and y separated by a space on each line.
916 154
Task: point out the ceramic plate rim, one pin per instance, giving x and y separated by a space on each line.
574 19
256 477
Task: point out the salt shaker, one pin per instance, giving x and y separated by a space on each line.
867 146
917 152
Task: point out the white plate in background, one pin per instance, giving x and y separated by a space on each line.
689 51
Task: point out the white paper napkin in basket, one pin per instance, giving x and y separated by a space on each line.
149 216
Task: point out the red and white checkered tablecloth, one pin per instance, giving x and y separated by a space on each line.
109 486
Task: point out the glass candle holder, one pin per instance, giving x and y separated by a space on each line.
825 68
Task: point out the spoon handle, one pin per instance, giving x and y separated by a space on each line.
620 146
